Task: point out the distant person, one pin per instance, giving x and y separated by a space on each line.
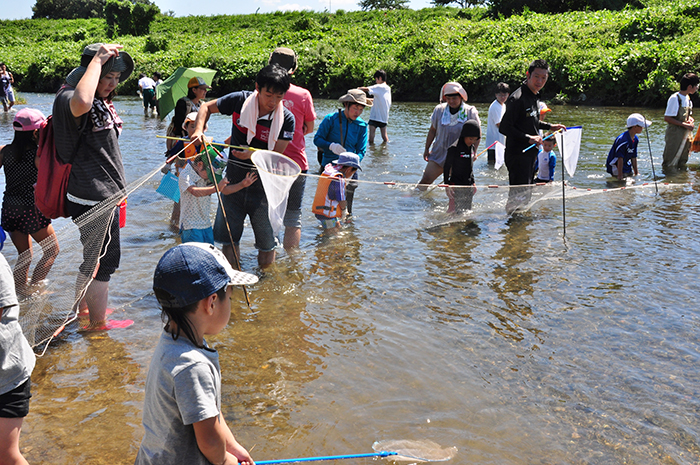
147 86
195 199
7 95
622 158
196 91
521 124
379 114
297 100
182 417
17 362
496 111
445 126
546 161
157 78
344 131
259 120
330 203
680 123
87 129
459 167
20 217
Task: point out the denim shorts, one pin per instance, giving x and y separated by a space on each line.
15 403
205 235
292 217
238 205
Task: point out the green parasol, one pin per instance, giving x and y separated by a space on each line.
175 87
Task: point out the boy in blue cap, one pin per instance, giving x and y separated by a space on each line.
182 410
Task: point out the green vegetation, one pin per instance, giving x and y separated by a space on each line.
633 56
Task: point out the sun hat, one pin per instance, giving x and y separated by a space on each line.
192 116
122 63
452 88
197 82
470 129
348 159
284 57
635 119
28 119
356 96
193 271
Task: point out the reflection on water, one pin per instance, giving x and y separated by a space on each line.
486 332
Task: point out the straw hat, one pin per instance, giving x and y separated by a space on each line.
122 63
356 96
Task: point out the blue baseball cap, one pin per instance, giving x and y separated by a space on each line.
193 271
3 236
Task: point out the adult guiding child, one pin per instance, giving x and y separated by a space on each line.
445 126
259 120
344 131
521 124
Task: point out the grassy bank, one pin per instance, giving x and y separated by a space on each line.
630 57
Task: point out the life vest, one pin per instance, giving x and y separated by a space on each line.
322 205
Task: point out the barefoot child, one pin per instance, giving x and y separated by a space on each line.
622 159
182 410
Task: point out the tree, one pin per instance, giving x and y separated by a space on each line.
367 5
461 3
68 9
125 17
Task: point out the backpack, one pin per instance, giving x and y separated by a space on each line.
51 186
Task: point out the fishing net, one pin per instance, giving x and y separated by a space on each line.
277 174
415 451
53 301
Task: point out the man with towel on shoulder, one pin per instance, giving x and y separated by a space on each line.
260 120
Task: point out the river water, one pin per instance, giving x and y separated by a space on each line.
497 335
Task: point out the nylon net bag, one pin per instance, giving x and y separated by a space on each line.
277 174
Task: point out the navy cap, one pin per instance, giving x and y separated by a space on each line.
193 271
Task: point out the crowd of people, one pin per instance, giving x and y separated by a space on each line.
191 281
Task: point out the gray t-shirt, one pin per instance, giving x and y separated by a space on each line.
97 172
16 356
183 387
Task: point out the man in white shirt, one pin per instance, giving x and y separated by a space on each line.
680 123
379 115
496 111
147 86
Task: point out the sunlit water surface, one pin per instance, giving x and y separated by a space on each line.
496 335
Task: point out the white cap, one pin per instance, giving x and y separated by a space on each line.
635 119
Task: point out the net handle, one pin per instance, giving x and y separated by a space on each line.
327 457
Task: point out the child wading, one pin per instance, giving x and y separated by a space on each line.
622 159
459 167
546 161
182 409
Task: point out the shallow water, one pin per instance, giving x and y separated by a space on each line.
496 335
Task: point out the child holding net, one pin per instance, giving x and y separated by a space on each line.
196 189
459 167
182 409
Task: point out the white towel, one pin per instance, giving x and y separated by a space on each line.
249 120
